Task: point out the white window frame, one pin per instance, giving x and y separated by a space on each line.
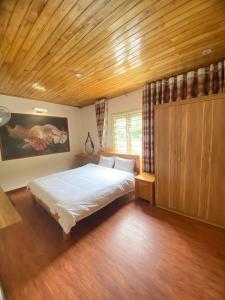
125 114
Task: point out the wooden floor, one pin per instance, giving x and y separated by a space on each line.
129 250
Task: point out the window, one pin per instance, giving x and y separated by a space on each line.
127 133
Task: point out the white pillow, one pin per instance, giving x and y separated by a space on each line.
124 164
106 161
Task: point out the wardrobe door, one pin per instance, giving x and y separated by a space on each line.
162 141
205 159
182 157
177 149
170 130
215 212
192 202
172 154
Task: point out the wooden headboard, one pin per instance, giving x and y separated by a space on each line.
137 165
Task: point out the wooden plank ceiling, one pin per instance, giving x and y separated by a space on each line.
116 45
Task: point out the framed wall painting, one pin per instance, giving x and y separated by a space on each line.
33 135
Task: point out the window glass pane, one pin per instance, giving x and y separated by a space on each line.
135 133
127 133
136 147
120 134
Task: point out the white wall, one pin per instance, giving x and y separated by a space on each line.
124 103
16 173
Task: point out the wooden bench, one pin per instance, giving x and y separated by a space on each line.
8 217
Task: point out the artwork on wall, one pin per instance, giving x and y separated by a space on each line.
32 135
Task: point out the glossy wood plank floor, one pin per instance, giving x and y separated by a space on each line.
129 250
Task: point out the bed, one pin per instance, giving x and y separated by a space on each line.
73 195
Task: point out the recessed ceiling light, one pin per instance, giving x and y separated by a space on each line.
206 51
39 87
77 74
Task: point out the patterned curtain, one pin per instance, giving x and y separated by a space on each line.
196 83
148 128
101 110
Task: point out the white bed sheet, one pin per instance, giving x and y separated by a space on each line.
77 193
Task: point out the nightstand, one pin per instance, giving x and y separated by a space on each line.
144 187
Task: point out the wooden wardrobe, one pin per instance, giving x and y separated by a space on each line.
190 158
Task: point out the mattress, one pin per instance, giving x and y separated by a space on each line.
77 193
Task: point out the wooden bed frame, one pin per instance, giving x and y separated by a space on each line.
137 168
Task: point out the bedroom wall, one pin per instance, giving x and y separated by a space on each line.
16 173
124 103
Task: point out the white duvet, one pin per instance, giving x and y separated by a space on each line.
77 193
